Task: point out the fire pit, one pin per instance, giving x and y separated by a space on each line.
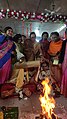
47 102
44 117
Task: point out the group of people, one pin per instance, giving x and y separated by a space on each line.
54 52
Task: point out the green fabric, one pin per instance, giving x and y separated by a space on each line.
11 113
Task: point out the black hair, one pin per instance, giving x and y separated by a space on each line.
54 33
24 36
45 33
32 33
17 37
7 28
66 31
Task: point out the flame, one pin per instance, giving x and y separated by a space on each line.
47 102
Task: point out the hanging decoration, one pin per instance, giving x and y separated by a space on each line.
30 27
27 29
24 16
23 27
27 32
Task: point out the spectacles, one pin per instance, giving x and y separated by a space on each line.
33 37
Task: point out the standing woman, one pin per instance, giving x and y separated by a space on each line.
44 43
6 49
9 35
54 52
36 45
63 64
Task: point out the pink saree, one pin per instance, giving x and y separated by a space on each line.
5 71
64 75
5 60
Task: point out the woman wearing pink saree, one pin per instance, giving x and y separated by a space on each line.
6 48
63 61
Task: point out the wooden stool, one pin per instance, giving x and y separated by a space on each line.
28 65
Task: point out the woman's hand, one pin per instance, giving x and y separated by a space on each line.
43 59
60 65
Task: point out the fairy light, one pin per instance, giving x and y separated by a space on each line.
23 15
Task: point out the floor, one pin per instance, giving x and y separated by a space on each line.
29 108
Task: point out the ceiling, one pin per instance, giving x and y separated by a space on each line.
34 5
37 6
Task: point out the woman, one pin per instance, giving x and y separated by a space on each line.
9 34
17 76
44 43
63 63
36 45
17 40
54 52
6 48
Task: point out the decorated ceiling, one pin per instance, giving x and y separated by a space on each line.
28 15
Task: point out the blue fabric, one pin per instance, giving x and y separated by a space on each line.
2 37
6 57
13 48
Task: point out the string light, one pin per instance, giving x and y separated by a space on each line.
23 15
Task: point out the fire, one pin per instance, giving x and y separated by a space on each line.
47 102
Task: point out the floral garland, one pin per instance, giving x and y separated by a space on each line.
23 15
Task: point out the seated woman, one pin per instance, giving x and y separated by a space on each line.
54 52
17 40
17 76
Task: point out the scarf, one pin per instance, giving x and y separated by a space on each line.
55 47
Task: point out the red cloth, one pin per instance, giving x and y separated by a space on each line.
7 89
31 87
